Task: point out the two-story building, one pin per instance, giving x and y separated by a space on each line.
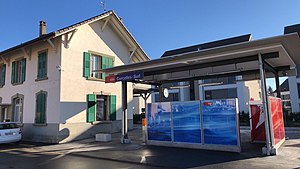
48 85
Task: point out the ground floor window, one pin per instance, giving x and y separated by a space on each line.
221 94
40 111
173 97
101 107
17 108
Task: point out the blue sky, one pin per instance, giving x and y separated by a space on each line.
158 25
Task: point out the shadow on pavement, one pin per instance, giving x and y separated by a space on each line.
170 157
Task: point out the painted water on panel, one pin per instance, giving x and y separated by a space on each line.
186 122
159 121
219 122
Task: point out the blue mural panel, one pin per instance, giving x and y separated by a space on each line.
219 122
186 122
159 121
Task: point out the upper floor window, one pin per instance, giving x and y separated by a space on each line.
94 62
2 74
18 72
42 65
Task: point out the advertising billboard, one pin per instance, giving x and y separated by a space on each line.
220 122
211 124
277 119
159 121
186 122
257 121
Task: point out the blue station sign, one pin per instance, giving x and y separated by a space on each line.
124 77
130 76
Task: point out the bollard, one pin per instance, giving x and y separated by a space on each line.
144 130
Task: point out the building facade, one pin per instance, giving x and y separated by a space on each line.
49 86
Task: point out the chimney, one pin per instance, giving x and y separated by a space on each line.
42 28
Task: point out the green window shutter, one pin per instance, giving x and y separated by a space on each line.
112 107
40 116
104 65
86 64
3 71
13 72
91 108
45 65
110 62
23 69
39 67
43 108
42 67
38 108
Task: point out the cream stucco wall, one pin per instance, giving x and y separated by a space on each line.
75 87
66 87
30 87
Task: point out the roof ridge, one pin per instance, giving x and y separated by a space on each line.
55 33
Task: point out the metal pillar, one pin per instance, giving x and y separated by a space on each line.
278 94
278 89
160 92
265 103
124 139
192 89
145 98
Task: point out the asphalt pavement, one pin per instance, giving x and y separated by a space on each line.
90 154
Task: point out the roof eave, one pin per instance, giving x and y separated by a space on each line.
130 35
28 43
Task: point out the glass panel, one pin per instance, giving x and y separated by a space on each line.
186 122
101 109
219 122
8 126
18 72
96 65
17 110
221 94
159 121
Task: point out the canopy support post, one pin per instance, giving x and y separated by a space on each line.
278 89
265 104
124 139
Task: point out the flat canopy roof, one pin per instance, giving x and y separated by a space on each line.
280 52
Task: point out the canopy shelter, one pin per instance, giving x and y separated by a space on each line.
258 59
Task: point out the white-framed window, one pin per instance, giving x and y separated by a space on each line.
2 74
96 64
93 62
17 109
18 71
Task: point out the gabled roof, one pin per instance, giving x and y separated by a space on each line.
292 29
64 30
203 46
284 87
